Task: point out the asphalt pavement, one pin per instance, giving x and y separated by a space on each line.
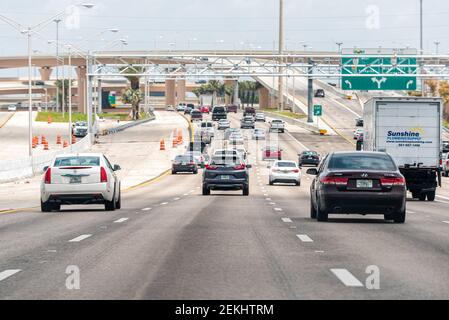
170 242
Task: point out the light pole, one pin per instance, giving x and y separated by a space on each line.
28 31
437 45
421 39
57 21
339 44
281 51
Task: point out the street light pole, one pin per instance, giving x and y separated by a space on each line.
281 51
30 99
421 39
340 44
57 21
70 96
437 45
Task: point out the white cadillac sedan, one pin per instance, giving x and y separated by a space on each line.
285 172
80 179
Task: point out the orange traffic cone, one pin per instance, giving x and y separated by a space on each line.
65 145
49 120
58 140
43 139
46 148
175 143
162 148
73 139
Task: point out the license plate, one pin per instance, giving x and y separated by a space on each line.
225 177
75 180
364 184
184 163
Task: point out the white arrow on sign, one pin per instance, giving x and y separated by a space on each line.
349 84
379 82
409 83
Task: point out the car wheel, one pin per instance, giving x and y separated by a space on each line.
321 215
312 209
118 204
46 207
388 217
431 196
271 183
415 195
246 191
399 217
422 197
173 172
110 205
195 172
298 183
206 191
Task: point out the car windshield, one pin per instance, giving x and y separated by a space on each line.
185 158
219 109
361 162
77 161
81 124
225 152
286 164
226 161
310 153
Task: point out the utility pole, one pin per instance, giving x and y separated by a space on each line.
339 44
421 40
281 51
57 21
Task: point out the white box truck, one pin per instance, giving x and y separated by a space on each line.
410 130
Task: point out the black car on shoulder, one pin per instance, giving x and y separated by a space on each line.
358 183
320 93
309 158
226 173
184 163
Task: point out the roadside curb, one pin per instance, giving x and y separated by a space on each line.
7 120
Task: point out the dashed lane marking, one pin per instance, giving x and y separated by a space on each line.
287 220
304 238
8 273
347 278
121 220
278 209
164 203
81 238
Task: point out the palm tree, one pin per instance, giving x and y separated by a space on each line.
59 85
132 94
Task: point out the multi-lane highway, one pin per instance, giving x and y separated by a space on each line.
170 242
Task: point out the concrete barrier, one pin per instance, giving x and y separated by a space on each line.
13 170
127 126
307 126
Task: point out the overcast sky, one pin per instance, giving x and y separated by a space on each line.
233 24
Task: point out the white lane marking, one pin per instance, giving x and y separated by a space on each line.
442 197
268 199
185 194
410 211
146 209
287 220
304 238
164 203
177 199
347 108
347 278
81 238
446 222
121 220
8 273
297 141
319 251
265 195
273 203
439 201
278 209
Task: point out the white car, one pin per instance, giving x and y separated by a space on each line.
277 125
208 127
224 124
236 139
12 108
357 133
260 117
181 107
74 179
258 134
80 129
285 172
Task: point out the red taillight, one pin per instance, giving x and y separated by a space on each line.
103 175
211 167
296 171
447 162
389 182
48 176
240 167
339 181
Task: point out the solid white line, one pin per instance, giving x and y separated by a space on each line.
81 238
347 278
304 238
8 273
347 108
287 220
121 220
410 211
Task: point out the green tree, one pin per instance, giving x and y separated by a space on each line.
59 85
132 94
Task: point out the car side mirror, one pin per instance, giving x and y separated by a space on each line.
117 167
46 168
312 172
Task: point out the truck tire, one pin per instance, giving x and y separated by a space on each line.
431 196
422 197
415 195
312 210
246 191
206 191
46 207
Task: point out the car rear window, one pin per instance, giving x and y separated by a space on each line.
286 165
224 161
361 162
277 121
310 153
206 125
219 109
185 158
77 161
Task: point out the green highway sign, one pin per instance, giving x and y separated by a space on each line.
352 66
318 111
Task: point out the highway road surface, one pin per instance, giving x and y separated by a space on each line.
170 242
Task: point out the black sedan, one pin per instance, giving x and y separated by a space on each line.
309 158
358 183
185 163
226 173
